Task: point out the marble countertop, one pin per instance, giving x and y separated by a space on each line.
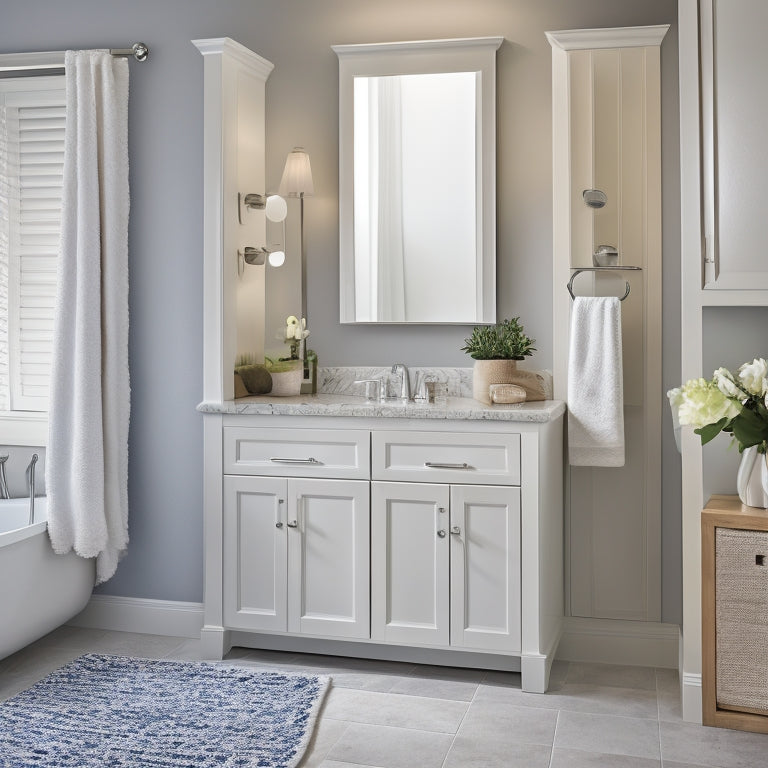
458 408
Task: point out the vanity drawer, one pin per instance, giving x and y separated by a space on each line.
446 457
297 452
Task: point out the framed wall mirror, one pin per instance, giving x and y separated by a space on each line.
417 197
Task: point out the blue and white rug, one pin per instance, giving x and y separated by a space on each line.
118 712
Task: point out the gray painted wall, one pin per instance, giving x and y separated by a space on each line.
164 560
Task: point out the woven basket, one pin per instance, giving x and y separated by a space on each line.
487 372
741 610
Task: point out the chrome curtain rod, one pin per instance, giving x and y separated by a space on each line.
17 62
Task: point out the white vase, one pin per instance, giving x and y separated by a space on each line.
752 478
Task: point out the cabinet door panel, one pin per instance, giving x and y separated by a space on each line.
329 555
485 567
409 599
255 553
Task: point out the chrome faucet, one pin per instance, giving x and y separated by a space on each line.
399 369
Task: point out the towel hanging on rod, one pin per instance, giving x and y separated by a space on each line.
579 270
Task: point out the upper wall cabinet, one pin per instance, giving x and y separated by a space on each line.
734 113
417 198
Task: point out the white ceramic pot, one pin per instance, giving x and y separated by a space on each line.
287 383
752 478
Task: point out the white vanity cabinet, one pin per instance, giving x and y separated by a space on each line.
445 565
425 538
296 555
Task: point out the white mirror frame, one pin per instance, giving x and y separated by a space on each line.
422 57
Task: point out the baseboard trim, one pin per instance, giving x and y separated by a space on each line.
692 698
148 617
639 643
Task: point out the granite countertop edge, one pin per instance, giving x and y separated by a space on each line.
456 408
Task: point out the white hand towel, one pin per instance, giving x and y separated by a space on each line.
87 459
595 384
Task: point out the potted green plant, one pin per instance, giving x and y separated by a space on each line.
496 350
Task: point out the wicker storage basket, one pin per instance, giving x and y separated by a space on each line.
741 611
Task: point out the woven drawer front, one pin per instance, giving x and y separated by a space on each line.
741 615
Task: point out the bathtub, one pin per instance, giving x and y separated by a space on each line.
39 590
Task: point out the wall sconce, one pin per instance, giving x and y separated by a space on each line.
297 182
257 257
275 209
274 206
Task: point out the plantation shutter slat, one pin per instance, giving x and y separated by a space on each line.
34 158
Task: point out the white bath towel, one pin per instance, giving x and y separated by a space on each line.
595 384
87 458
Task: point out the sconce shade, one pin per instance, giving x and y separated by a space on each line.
297 175
276 208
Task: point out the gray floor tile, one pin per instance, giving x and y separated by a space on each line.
674 764
451 673
574 758
389 747
395 710
503 679
559 672
717 747
327 732
467 752
187 650
71 637
498 722
617 675
434 688
578 697
337 764
134 644
667 680
38 661
607 734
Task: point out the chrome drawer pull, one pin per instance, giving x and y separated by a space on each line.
455 531
444 465
279 460
293 524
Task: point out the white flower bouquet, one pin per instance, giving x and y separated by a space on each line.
736 404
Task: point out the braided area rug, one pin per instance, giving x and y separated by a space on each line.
119 712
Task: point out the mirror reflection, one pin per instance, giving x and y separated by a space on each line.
415 201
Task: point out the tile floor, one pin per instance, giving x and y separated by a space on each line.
395 715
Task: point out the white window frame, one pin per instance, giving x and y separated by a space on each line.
19 427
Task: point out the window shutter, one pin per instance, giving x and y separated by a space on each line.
34 127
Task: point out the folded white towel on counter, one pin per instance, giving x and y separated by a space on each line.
595 383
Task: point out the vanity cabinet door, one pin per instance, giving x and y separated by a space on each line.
409 563
255 553
485 567
329 557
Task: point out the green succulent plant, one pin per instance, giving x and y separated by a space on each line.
504 341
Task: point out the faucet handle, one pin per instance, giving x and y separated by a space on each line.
372 389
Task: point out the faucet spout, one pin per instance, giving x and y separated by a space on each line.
399 369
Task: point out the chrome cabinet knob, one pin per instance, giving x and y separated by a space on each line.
293 524
455 531
278 525
441 533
